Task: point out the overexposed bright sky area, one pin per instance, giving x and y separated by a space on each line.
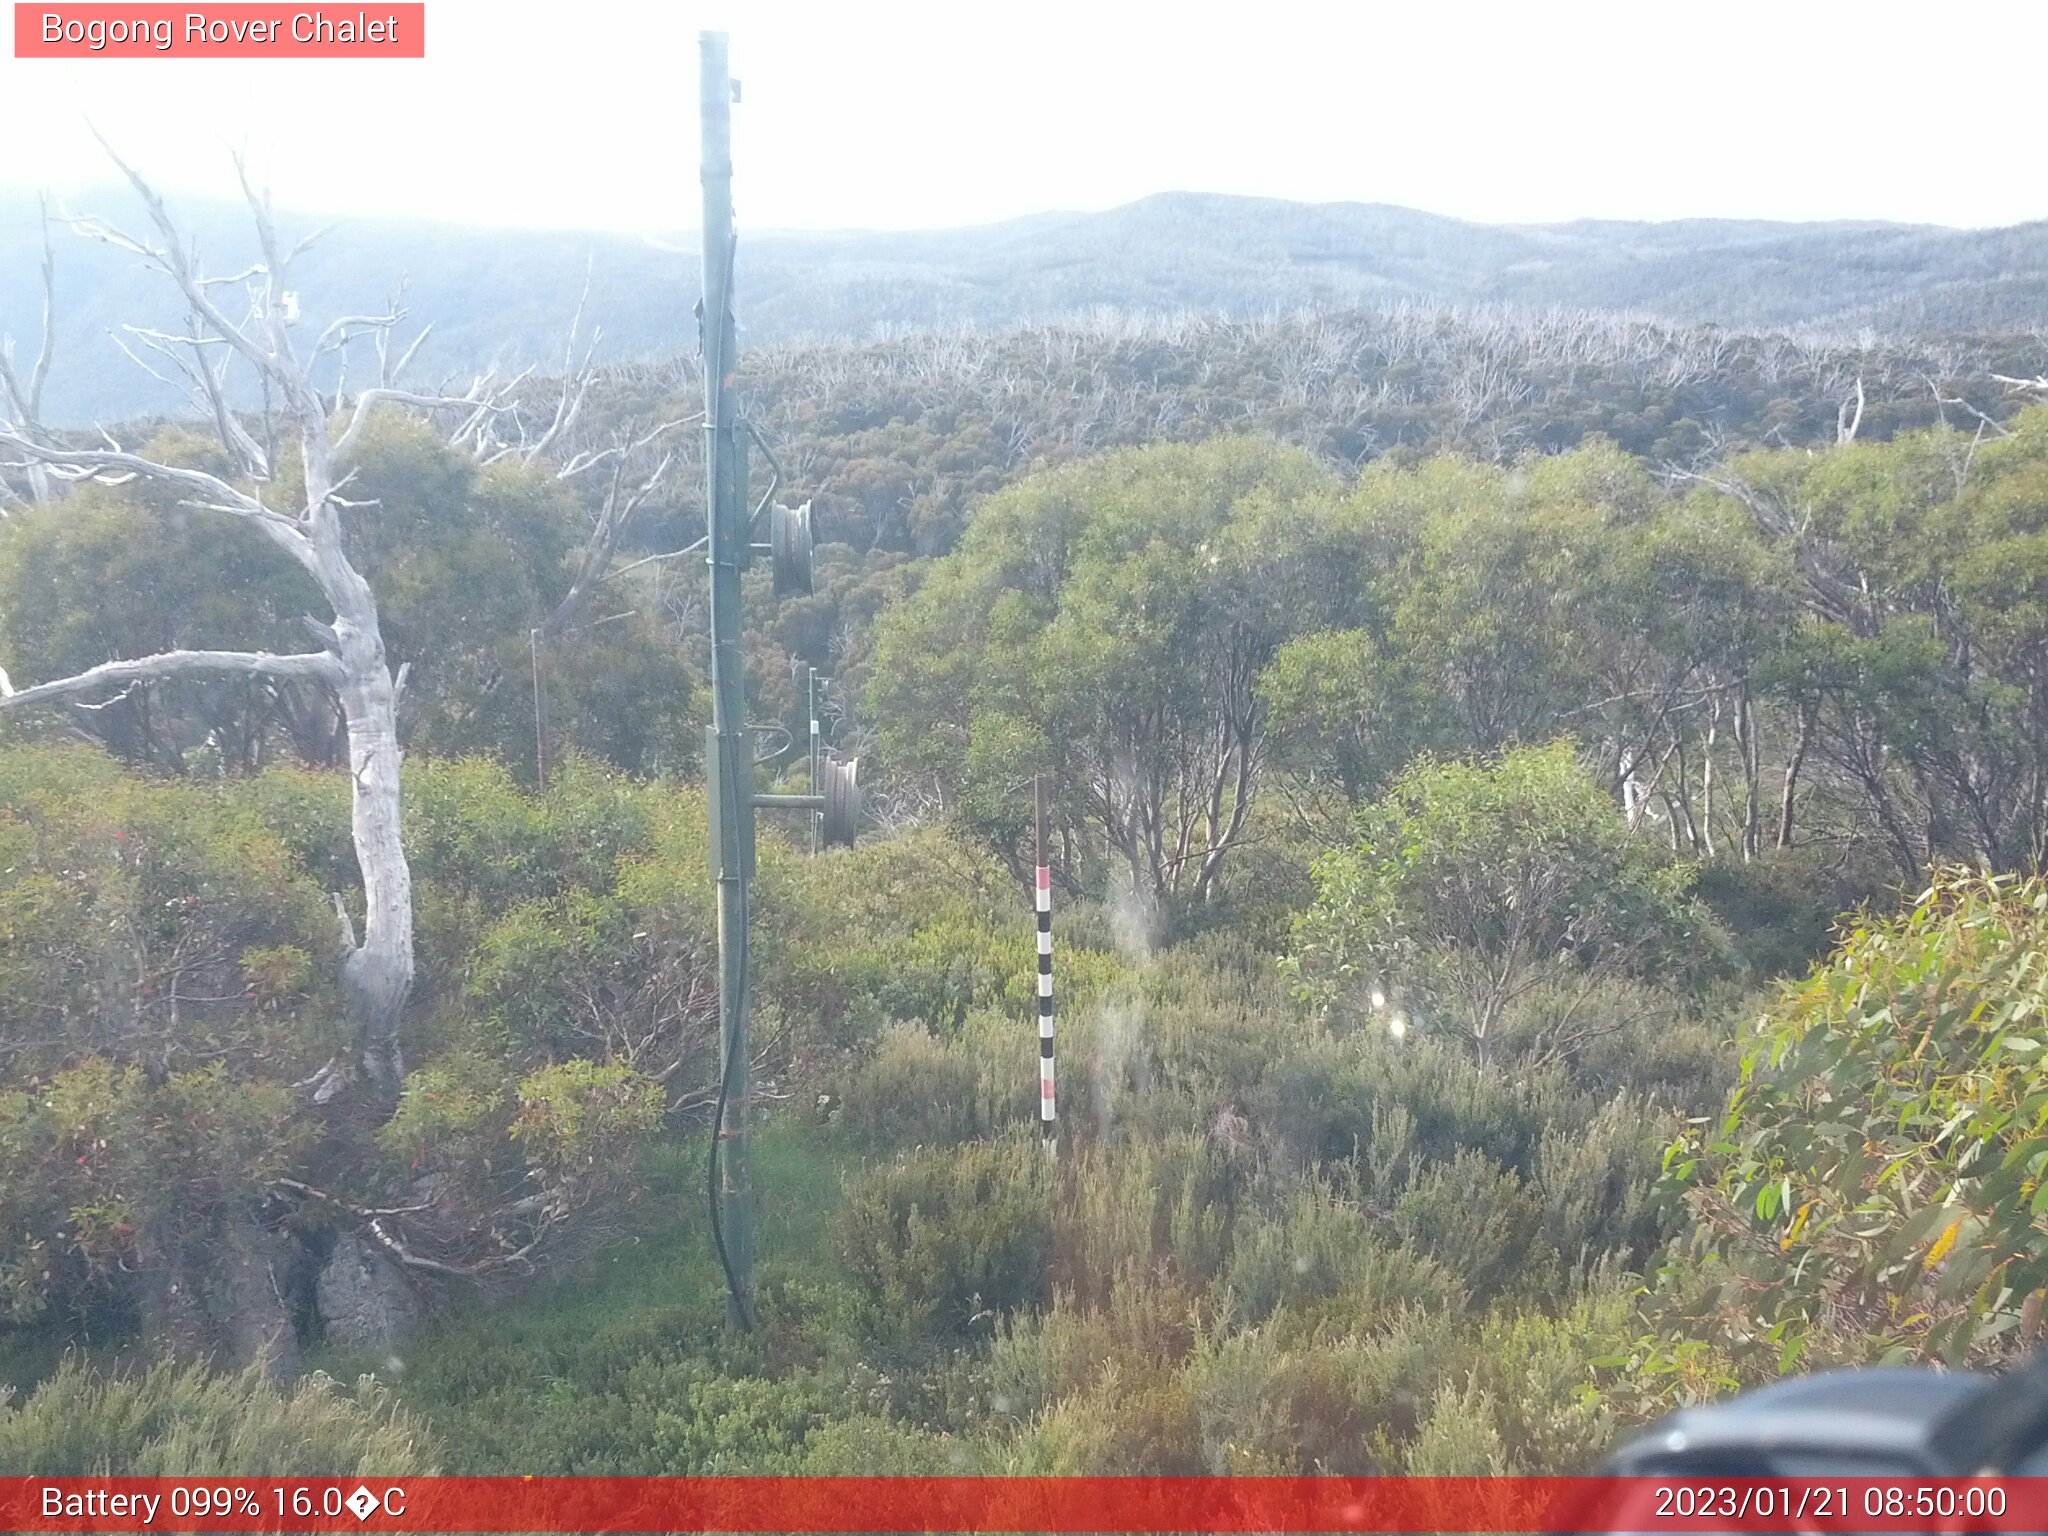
582 113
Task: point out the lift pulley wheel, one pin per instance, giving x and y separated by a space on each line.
789 537
841 816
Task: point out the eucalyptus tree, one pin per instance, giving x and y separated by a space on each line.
290 477
1918 667
1485 598
1107 623
1502 904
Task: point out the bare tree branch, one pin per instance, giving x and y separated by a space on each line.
477 400
338 332
309 665
98 463
388 372
670 554
621 504
24 402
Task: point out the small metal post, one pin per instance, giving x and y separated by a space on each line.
540 712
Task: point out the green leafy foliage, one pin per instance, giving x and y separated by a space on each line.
1874 1184
465 562
1107 623
184 1421
947 1241
107 1171
1385 1206
131 916
579 1115
1477 888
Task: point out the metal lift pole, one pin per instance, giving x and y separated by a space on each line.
729 762
811 709
1048 1108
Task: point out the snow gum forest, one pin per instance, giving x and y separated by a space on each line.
1546 811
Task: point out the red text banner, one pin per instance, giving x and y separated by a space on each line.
1021 1504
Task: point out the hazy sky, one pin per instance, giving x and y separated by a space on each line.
582 113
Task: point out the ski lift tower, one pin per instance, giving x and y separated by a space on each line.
730 534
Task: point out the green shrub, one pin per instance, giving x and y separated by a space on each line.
912 1090
1149 1429
947 1240
1275 1409
1458 1438
1335 1098
1876 1184
309 813
920 928
1686 1059
1324 1265
1537 1372
866 1446
1473 883
1144 1333
1597 1181
1784 909
1478 1221
128 913
455 1111
1218 1018
580 1120
1162 1206
104 1173
172 1421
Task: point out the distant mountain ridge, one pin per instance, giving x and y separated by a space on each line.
507 295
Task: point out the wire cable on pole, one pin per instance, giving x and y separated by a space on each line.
741 1301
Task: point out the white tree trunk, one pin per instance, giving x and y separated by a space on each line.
376 975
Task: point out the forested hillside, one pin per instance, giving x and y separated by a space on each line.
504 296
1546 822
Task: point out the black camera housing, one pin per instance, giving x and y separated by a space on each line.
1888 1421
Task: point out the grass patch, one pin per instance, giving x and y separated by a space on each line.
30 1353
625 1365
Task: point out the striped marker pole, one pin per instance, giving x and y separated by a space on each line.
1047 1105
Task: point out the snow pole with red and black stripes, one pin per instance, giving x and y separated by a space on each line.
1048 1110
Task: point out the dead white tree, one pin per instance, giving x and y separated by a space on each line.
2036 386
630 486
377 966
21 399
1847 421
